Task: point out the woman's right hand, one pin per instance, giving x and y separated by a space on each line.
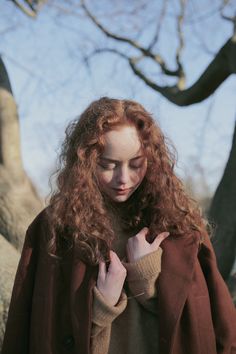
110 282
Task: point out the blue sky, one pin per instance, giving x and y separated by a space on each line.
44 58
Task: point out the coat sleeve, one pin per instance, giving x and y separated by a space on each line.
16 338
223 310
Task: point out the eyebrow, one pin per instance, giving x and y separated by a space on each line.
111 160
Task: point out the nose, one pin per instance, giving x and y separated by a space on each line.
122 176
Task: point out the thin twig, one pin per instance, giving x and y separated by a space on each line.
159 24
31 13
228 18
181 81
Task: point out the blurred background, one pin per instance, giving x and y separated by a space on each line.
176 57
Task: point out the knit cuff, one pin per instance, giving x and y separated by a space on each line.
145 267
104 314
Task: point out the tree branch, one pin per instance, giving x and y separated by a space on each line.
181 81
31 13
31 8
217 71
159 24
222 66
228 18
145 51
108 50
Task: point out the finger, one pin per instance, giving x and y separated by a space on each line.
114 257
159 238
115 263
142 233
102 270
114 260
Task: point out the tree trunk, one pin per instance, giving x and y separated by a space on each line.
223 214
19 202
8 262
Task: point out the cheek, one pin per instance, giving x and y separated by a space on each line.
141 173
104 178
137 176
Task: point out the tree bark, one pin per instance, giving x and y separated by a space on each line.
19 201
8 263
223 213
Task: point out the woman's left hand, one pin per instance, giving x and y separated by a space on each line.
138 246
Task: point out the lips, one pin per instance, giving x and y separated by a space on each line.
121 190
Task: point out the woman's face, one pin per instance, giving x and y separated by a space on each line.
122 166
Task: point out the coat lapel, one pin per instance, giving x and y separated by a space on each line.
178 259
81 279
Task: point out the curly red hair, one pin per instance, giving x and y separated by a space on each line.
78 209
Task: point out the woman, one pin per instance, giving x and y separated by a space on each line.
92 276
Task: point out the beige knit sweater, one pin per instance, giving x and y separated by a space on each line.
132 325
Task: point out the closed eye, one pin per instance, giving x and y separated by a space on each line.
136 166
107 166
137 163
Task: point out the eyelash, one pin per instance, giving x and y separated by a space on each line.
106 167
136 167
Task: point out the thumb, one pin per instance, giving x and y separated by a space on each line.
143 232
159 238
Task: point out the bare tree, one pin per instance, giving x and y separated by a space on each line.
131 47
220 68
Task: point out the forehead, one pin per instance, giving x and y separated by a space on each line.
122 143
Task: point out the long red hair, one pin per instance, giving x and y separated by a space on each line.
78 209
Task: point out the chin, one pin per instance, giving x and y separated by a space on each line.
120 198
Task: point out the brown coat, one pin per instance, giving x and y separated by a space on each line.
50 311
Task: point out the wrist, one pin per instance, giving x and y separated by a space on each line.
108 298
145 267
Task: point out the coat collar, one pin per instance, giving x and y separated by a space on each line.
178 259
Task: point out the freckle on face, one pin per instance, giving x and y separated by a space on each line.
121 179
